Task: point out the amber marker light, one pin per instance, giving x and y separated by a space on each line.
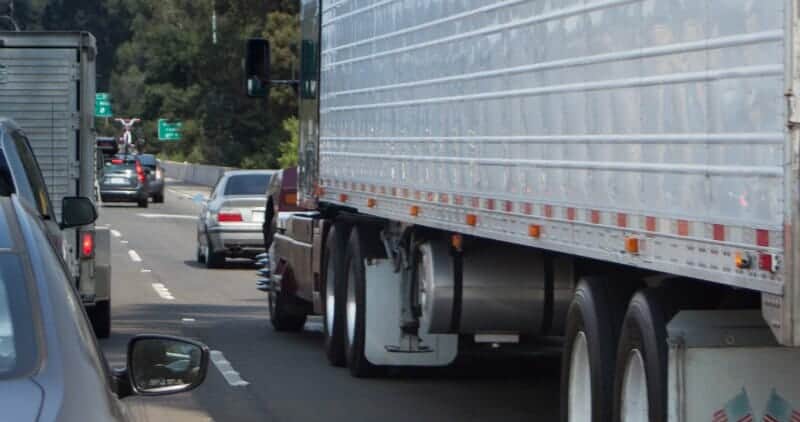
534 230
472 220
414 211
632 245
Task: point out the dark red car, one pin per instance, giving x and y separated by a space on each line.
281 197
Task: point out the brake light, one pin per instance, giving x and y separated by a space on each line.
229 217
139 172
290 198
87 244
116 161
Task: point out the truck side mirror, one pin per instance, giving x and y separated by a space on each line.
77 211
257 64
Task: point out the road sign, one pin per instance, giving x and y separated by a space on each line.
169 131
102 105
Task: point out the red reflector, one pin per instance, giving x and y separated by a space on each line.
229 217
765 262
87 245
116 161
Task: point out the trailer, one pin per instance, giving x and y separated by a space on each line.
47 85
619 174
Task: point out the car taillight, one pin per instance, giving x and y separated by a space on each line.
87 244
290 199
229 217
139 172
116 161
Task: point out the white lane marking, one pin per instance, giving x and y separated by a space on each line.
146 270
162 291
124 242
184 195
180 216
187 319
134 256
231 376
116 233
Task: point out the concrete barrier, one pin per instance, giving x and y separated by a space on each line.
199 174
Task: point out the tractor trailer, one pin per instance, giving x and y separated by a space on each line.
621 175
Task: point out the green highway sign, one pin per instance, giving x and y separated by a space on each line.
102 104
169 131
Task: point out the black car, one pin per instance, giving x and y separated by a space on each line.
155 176
124 179
51 368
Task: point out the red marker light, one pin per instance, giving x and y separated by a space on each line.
87 244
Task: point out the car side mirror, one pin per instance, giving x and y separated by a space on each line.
257 67
77 211
162 365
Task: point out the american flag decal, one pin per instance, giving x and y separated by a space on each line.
779 410
736 410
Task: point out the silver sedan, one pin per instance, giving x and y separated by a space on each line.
230 221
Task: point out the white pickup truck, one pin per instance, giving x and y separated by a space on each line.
47 85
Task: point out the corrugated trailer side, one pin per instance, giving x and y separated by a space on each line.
640 132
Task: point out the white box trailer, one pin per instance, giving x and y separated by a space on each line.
47 85
622 173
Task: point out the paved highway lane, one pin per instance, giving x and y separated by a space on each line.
158 287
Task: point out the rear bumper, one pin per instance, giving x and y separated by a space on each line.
122 195
156 186
237 242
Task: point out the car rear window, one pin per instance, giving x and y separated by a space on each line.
148 160
18 352
120 167
247 184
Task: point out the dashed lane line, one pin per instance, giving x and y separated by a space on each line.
116 233
231 376
162 291
179 216
134 256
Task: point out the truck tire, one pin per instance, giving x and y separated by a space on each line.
283 314
355 306
143 203
640 381
334 292
588 361
100 316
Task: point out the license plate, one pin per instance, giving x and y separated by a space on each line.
258 216
118 181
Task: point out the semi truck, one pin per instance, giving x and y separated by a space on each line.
620 175
47 85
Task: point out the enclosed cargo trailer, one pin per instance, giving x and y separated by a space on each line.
622 173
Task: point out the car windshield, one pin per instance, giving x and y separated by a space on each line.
17 341
247 184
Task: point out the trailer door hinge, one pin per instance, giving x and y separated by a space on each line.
75 170
794 113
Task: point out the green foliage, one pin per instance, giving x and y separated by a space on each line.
158 59
289 148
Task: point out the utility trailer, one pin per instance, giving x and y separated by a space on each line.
47 85
619 173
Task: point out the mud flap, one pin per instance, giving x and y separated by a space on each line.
385 343
726 365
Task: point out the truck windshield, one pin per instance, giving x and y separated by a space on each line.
17 340
247 184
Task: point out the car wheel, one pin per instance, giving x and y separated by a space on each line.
334 293
143 203
213 259
201 257
594 321
158 198
282 313
100 317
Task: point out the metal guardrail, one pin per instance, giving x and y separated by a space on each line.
199 174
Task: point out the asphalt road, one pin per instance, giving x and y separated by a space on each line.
158 287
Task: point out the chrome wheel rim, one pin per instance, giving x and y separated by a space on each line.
634 389
330 296
580 381
351 307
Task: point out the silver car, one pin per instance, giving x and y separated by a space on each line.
51 368
230 221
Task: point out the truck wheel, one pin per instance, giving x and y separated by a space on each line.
356 308
335 293
593 325
100 316
281 313
143 203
